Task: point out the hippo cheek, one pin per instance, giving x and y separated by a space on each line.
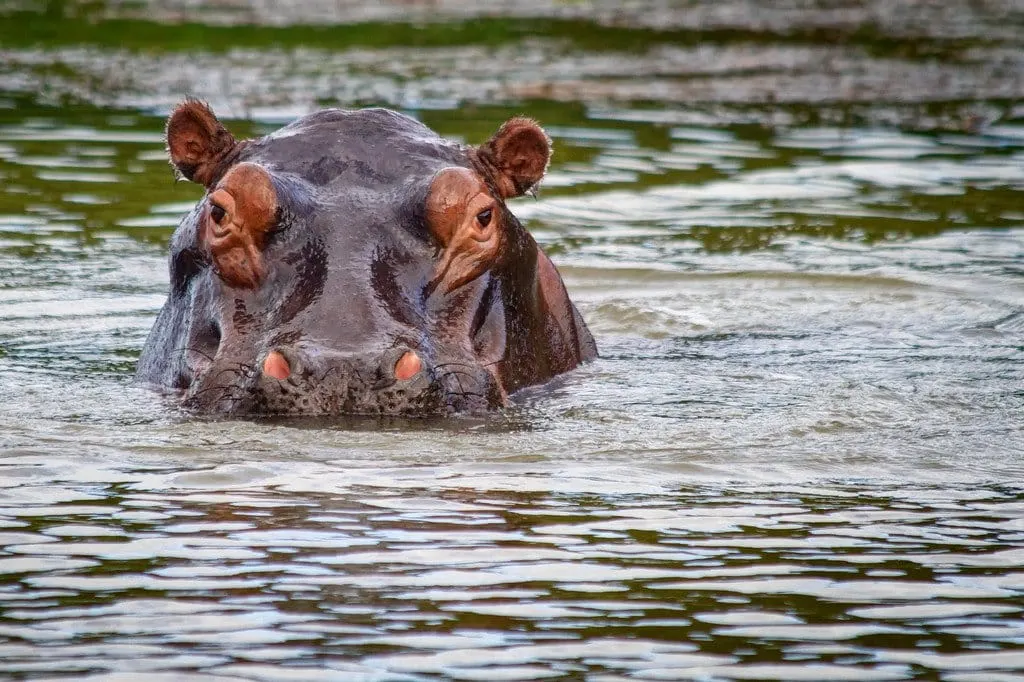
310 279
200 354
489 330
223 390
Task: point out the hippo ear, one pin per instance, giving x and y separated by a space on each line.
197 142
518 154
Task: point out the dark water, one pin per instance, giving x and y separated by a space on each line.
800 456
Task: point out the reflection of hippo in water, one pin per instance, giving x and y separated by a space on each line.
355 262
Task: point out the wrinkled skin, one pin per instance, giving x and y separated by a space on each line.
354 262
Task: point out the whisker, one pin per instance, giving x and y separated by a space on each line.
457 373
453 364
189 349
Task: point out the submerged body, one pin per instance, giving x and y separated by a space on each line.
354 262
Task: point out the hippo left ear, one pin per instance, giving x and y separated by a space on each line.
518 155
197 142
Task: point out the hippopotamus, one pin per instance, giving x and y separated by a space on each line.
355 262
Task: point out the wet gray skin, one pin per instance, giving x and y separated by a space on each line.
351 280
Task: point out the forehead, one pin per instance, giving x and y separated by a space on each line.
366 147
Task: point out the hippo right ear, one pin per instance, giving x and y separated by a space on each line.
197 142
518 156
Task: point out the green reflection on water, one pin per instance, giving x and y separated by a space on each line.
89 183
73 23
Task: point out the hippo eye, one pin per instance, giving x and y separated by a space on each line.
484 217
217 213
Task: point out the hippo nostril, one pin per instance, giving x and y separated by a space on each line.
408 366
275 365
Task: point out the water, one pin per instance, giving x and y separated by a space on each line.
799 457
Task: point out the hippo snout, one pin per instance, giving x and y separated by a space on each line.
307 379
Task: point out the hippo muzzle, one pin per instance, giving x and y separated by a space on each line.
317 381
356 263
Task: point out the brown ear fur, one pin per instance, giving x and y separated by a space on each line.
197 142
518 154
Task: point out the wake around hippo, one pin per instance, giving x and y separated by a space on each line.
354 262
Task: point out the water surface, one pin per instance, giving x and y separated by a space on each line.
799 456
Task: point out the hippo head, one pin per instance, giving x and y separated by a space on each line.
354 262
